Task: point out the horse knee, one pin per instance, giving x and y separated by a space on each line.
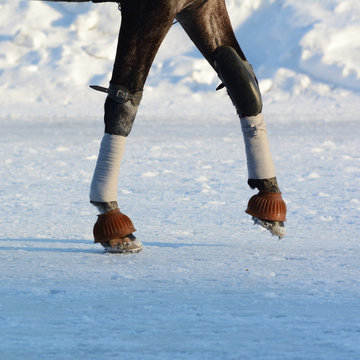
240 81
120 110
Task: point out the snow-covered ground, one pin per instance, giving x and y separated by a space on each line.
208 284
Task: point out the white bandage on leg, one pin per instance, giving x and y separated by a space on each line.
105 179
259 161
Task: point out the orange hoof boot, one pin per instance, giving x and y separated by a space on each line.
268 210
113 230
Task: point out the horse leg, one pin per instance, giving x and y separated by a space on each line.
210 29
143 27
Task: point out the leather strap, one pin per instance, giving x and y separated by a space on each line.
119 93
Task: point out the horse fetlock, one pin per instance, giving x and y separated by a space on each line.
267 185
240 81
104 207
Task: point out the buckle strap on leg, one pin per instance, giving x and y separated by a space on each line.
120 93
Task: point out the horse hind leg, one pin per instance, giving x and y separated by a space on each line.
210 29
142 30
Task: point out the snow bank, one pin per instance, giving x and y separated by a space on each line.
51 52
331 47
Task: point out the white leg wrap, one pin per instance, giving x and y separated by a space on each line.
105 179
259 161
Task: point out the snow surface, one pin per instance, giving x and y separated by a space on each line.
208 284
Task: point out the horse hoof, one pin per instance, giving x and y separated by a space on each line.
277 228
126 245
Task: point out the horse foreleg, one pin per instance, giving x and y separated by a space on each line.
142 30
210 29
